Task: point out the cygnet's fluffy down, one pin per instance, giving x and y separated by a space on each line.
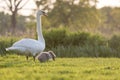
46 56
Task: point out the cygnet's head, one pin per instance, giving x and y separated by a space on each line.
52 54
41 12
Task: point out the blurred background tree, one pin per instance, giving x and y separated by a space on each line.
4 27
76 15
111 18
14 6
69 13
5 22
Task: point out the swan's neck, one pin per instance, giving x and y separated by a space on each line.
39 30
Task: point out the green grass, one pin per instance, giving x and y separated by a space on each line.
13 67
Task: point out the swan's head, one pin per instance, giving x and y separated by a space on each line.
41 12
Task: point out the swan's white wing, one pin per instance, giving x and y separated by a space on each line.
26 42
30 45
19 49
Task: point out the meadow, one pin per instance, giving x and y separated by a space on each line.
80 56
14 67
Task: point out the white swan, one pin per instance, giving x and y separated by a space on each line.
30 46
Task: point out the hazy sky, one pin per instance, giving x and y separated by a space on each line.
112 3
102 3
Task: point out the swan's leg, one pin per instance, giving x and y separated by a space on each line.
34 58
27 58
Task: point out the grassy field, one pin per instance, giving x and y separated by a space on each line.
13 67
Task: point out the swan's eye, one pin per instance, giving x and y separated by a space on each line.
43 12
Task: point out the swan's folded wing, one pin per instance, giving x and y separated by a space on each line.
30 44
21 49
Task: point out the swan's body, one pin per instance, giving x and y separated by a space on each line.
27 46
30 46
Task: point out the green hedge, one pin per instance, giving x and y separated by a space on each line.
62 37
114 44
68 44
6 42
85 51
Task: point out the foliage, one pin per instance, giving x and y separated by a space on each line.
13 6
4 27
68 44
81 15
78 15
114 43
43 4
84 51
111 18
6 42
62 69
56 37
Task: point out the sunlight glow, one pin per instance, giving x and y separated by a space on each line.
112 3
31 5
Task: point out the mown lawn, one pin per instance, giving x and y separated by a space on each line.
13 67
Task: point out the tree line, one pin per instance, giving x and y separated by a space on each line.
75 15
